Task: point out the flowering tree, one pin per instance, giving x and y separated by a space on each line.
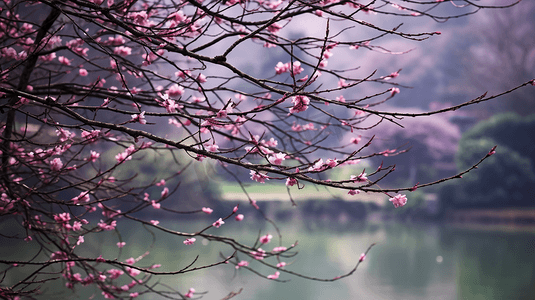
89 87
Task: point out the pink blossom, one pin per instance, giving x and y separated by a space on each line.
291 181
84 196
258 177
134 295
281 264
76 226
235 209
155 204
353 192
331 162
189 241
318 166
242 263
218 223
122 51
355 140
62 217
399 200
259 254
83 72
274 28
282 68
266 238
175 91
274 276
207 210
277 159
56 164
300 104
94 156
130 261
362 257
239 217
212 148
394 91
121 244
105 226
64 61
154 222
139 118
189 294
240 97
279 249
359 178
114 273
165 192
296 69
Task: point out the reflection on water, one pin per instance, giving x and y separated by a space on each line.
409 261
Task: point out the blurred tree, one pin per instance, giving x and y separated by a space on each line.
509 176
501 55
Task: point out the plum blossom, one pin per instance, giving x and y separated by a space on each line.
318 166
175 91
242 263
83 72
399 200
394 91
94 156
359 178
122 51
266 238
139 118
274 28
218 223
281 264
300 104
331 162
277 158
259 177
105 226
274 276
355 140
279 249
165 192
64 61
362 257
189 294
207 210
291 181
282 68
121 244
83 197
154 222
56 164
212 148
239 217
353 192
296 69
259 254
190 241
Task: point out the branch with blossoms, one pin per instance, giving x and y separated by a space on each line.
91 88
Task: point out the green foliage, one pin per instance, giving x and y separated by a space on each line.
504 179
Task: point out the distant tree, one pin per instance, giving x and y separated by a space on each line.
500 54
97 96
508 177
428 147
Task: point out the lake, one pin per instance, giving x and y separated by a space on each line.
409 261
